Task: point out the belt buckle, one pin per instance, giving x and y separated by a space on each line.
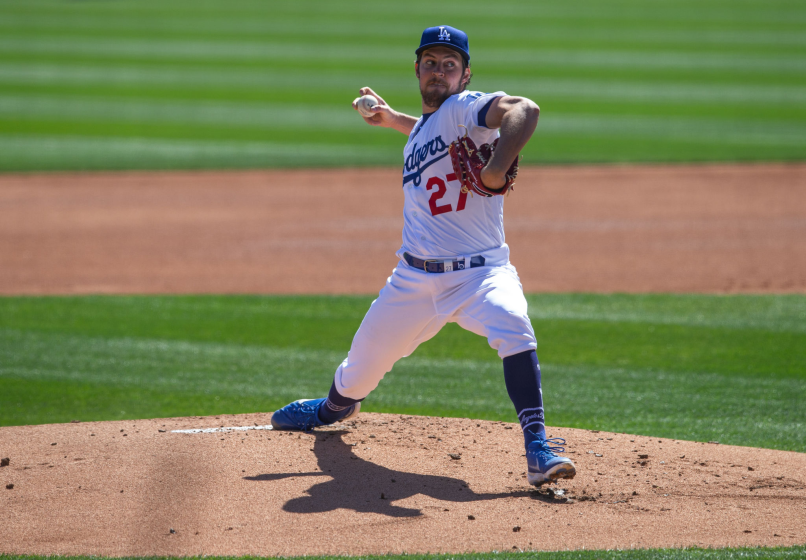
425 264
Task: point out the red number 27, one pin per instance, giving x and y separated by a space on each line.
436 210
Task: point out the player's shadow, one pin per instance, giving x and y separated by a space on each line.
360 485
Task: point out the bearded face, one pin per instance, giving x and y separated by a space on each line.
436 92
441 74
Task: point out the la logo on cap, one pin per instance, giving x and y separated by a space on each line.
442 36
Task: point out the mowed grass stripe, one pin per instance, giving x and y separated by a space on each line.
680 13
46 74
782 313
102 77
84 152
185 50
657 93
688 129
674 19
253 115
277 116
168 365
535 34
154 49
154 84
618 399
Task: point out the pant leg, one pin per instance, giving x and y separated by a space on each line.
497 309
493 306
397 322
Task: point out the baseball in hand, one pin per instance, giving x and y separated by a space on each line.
364 104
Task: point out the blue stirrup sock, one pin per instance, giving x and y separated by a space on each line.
522 377
336 406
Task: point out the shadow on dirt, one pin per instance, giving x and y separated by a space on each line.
362 486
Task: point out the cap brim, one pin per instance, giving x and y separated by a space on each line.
465 55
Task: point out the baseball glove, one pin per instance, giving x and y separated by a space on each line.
468 161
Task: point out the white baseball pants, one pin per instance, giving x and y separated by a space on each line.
414 305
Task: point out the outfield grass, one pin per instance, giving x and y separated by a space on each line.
725 368
149 84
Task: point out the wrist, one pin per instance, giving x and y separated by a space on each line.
492 178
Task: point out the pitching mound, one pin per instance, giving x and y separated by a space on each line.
384 483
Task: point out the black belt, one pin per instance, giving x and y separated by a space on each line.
432 265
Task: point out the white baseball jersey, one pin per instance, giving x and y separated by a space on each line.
439 220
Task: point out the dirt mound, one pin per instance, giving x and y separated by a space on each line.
381 484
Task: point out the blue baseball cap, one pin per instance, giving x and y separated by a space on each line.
445 36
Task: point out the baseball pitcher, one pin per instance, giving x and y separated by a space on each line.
460 159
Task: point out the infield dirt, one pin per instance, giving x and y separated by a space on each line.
708 228
384 483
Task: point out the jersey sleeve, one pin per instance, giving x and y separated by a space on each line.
473 107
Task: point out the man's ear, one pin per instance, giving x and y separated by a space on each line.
417 69
466 77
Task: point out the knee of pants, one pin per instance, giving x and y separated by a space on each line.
512 338
356 383
507 333
512 346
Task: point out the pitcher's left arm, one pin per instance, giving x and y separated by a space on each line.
516 117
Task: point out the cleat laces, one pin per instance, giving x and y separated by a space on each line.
544 451
305 416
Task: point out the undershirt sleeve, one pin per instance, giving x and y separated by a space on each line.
482 115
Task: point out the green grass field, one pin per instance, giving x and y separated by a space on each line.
149 84
725 368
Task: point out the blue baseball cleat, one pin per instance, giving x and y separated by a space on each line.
303 415
545 465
